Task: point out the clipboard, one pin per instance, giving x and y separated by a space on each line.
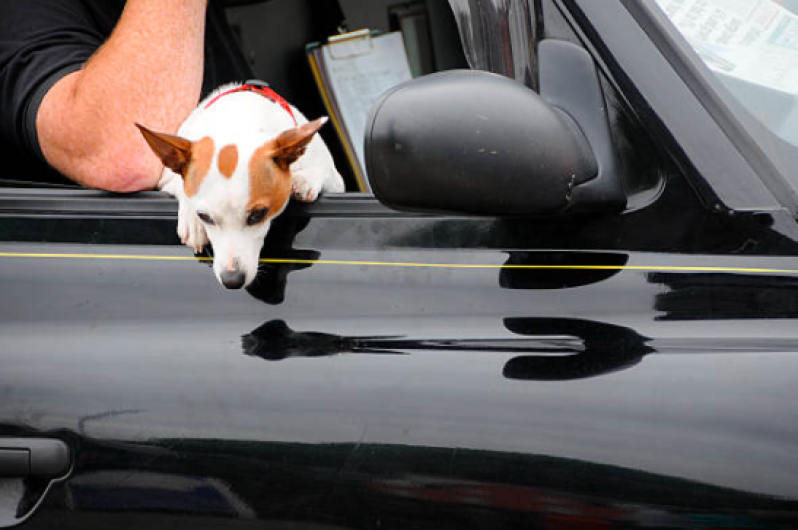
352 70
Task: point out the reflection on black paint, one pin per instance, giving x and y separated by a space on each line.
269 286
357 485
708 296
134 490
546 349
599 348
565 348
603 349
559 278
275 341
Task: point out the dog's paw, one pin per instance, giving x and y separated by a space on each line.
306 185
197 237
308 182
190 230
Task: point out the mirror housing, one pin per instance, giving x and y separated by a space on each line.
472 142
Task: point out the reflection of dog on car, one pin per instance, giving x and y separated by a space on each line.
275 341
233 166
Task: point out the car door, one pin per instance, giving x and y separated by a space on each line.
395 369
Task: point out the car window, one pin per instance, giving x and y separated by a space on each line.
751 47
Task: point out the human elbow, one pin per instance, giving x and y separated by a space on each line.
127 182
126 172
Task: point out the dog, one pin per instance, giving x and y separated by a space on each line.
233 165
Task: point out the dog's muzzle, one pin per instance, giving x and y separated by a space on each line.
233 279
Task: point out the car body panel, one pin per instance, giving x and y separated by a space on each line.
360 383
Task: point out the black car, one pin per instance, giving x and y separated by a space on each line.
570 302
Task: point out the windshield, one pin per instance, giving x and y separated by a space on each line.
751 46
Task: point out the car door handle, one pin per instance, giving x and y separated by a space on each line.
34 457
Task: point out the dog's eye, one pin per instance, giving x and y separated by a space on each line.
205 218
256 216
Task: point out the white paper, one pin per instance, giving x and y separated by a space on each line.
359 76
752 40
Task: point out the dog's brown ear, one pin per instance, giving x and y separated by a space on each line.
174 151
292 143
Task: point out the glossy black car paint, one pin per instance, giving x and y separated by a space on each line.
367 383
391 370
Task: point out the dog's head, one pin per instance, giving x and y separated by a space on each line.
235 190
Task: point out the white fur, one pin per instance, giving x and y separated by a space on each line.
247 120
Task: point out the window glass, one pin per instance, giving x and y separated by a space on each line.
752 48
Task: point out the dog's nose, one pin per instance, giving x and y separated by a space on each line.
233 279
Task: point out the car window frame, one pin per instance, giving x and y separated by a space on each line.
63 201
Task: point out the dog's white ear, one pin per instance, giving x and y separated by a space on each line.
174 151
292 143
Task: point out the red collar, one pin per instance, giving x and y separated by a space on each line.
263 91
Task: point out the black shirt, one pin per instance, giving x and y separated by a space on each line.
43 40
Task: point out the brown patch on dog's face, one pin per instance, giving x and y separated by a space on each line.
198 167
228 160
269 184
269 174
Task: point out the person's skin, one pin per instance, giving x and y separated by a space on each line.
149 71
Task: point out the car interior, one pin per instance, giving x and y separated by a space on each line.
279 57
429 29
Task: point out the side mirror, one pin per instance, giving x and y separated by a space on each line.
472 142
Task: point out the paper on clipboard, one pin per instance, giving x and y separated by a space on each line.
752 40
355 72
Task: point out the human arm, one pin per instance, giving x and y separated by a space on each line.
148 71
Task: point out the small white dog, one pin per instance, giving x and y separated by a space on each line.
233 166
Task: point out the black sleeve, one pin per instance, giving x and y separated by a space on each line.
40 42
